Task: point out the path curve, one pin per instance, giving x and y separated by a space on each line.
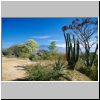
10 69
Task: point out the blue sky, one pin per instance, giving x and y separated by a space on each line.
42 30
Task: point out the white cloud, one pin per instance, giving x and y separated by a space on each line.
40 37
63 45
54 40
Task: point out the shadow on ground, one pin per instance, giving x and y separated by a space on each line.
20 67
19 79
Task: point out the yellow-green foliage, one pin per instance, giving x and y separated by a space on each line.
21 50
32 45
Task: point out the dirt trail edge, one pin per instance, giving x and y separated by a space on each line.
12 70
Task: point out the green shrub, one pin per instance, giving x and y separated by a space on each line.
96 61
58 68
5 52
59 64
38 73
80 66
17 51
34 57
91 72
46 55
94 73
40 55
21 50
45 73
43 54
31 57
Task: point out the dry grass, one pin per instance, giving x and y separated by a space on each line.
74 75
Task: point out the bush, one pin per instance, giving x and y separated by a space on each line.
58 68
96 61
38 73
90 72
34 57
44 54
21 50
31 57
94 73
17 51
45 73
5 52
94 70
40 55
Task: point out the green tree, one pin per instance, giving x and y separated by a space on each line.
52 50
32 45
23 51
12 51
52 47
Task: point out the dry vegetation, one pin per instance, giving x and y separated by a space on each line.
29 62
15 69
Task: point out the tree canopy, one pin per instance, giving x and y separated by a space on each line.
32 45
52 46
21 50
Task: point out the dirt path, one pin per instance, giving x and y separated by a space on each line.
12 70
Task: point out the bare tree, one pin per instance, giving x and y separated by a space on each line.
86 29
